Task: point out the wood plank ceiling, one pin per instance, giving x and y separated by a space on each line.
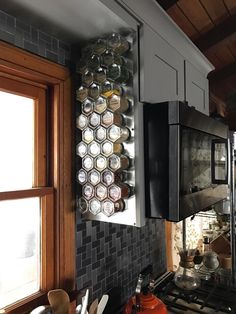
211 25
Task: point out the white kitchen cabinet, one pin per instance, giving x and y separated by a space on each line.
196 89
164 75
149 12
161 69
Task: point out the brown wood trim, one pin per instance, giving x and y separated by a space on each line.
16 62
168 234
19 88
34 192
62 116
20 79
26 305
28 74
48 248
68 254
55 170
40 135
32 62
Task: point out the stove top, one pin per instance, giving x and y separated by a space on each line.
209 298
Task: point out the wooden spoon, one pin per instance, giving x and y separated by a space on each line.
93 307
59 301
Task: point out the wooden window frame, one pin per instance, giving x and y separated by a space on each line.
26 67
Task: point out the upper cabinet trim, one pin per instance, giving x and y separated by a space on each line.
150 13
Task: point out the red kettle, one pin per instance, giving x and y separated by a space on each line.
144 302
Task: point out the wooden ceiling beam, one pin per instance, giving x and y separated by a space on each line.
166 4
218 34
222 74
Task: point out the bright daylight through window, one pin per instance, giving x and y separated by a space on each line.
16 138
19 218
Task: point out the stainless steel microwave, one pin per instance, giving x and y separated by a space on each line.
186 160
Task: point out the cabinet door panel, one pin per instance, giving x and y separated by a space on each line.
196 89
162 69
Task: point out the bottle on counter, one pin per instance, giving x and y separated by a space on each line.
186 277
206 244
210 262
198 257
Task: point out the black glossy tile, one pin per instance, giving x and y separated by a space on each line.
23 35
119 253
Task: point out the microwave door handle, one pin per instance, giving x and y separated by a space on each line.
219 146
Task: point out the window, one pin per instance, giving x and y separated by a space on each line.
23 139
37 220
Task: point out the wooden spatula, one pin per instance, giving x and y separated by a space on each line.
59 301
93 307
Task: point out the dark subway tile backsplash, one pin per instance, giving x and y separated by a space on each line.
112 255
23 35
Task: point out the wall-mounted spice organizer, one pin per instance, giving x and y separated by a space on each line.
106 125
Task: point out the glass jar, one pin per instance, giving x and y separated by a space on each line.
108 148
100 75
87 106
100 104
117 103
95 206
81 121
100 134
83 205
108 88
81 176
109 118
109 208
210 260
186 277
118 191
100 163
118 163
100 192
107 58
87 78
108 177
87 163
94 177
118 73
118 59
88 191
123 47
94 120
81 149
87 135
81 93
94 149
118 134
100 46
94 90
118 43
93 62
114 72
